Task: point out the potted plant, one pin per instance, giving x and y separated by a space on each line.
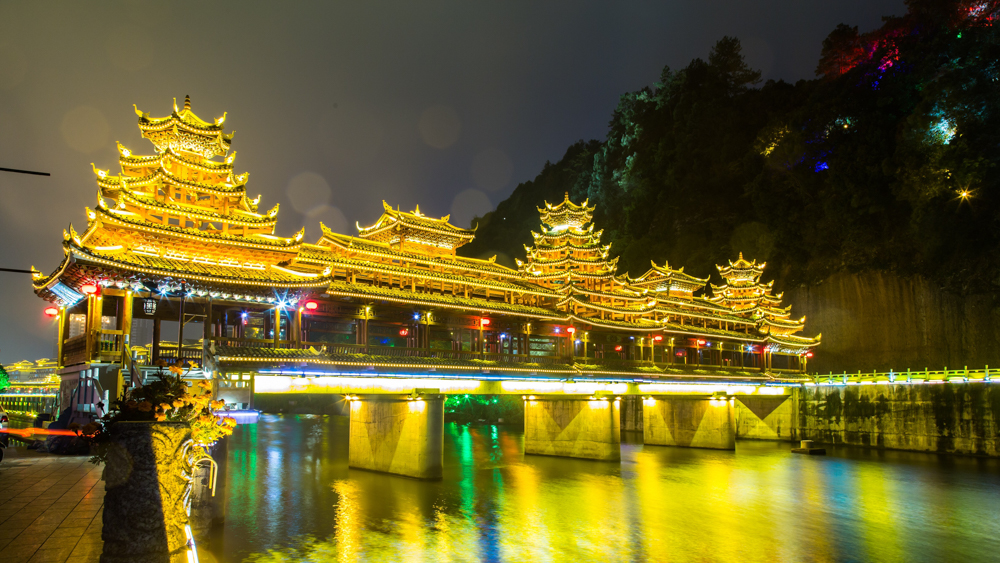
150 443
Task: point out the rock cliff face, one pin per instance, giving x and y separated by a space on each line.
881 321
946 418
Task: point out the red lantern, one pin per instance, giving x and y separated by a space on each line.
52 311
88 289
404 332
658 338
701 343
809 354
571 330
618 348
312 305
484 322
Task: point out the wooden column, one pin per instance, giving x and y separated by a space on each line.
61 335
277 325
156 341
296 336
180 323
127 318
206 331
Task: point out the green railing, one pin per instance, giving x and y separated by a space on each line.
925 375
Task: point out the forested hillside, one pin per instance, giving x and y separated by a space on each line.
886 161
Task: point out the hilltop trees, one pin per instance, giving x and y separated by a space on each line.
887 161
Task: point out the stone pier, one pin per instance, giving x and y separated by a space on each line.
401 434
582 427
691 422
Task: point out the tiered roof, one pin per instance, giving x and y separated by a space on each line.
176 214
664 278
416 231
184 131
567 251
743 292
566 214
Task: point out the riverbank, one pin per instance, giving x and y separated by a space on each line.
50 508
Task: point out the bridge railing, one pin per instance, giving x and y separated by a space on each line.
413 352
925 375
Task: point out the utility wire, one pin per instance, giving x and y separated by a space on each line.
24 171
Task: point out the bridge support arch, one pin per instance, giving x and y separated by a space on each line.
400 434
689 421
581 427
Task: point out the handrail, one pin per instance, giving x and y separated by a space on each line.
909 376
128 362
97 401
444 353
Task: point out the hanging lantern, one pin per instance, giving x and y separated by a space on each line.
149 306
88 289
52 311
404 332
311 305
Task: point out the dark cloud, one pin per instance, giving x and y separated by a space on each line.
392 101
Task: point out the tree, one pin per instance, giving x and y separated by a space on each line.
726 58
841 51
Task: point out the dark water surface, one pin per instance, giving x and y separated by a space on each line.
291 497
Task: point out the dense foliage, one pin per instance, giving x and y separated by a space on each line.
887 161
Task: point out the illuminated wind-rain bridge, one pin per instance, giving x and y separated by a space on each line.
394 319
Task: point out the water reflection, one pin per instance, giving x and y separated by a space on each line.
292 498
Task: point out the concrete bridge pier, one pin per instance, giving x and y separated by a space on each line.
582 427
400 434
689 421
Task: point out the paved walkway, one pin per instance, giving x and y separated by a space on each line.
50 508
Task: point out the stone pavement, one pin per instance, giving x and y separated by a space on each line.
50 508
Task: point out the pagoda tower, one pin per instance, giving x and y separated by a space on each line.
167 204
744 293
568 251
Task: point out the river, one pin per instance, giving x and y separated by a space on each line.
291 497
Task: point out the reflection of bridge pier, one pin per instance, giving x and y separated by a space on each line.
401 434
573 426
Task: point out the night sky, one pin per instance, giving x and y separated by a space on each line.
448 105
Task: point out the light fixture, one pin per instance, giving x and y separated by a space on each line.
52 311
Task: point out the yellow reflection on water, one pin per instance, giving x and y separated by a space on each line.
760 503
522 516
875 495
347 526
813 516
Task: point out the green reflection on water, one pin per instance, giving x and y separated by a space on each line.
297 500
